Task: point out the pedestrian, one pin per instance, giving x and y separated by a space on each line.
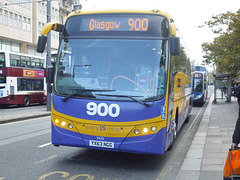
236 133
238 99
235 88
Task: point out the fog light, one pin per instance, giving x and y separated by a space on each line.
56 121
70 126
153 128
63 123
145 130
136 131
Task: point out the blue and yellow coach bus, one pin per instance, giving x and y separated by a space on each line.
115 85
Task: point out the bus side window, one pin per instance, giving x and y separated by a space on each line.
41 63
28 62
23 61
33 85
18 63
13 60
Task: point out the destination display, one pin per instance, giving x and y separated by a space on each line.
198 75
114 24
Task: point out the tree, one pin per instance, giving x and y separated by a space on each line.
224 51
182 62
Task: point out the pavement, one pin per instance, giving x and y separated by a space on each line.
208 152
23 114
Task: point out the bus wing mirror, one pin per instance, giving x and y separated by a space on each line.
42 40
50 74
174 45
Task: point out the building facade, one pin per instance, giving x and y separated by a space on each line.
21 22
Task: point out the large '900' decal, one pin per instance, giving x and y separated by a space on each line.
103 109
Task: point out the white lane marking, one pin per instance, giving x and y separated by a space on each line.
47 144
46 159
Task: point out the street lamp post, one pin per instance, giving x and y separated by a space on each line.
48 60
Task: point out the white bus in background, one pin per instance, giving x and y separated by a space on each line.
21 79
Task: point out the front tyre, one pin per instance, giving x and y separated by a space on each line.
26 101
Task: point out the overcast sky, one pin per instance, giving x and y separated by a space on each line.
187 15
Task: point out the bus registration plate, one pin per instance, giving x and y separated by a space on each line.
104 144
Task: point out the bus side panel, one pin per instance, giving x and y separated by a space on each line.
18 99
36 97
182 116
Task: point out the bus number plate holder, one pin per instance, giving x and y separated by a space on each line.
104 144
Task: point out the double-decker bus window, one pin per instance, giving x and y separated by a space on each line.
39 85
41 65
14 60
23 61
29 84
2 79
28 62
35 63
18 84
2 60
23 85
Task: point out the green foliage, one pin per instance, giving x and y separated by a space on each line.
181 63
225 49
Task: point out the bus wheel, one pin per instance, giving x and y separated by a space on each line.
174 130
26 101
175 123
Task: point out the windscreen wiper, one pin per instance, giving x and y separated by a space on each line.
84 90
130 97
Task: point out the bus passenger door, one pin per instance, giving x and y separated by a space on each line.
170 101
169 137
11 92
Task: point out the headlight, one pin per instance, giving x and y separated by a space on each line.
153 128
199 96
136 131
56 121
145 130
70 126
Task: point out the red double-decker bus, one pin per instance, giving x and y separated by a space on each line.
21 79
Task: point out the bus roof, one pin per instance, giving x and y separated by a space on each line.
155 11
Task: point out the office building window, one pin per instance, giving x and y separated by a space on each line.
9 46
10 23
15 21
5 18
39 28
15 47
24 23
6 45
29 24
20 22
1 16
